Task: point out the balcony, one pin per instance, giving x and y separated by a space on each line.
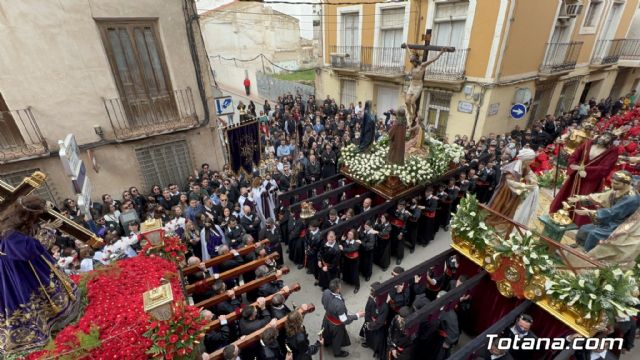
383 60
561 57
20 136
630 50
144 116
607 51
449 67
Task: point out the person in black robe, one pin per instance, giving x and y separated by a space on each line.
216 339
428 226
229 264
270 287
271 232
351 259
269 347
313 170
336 319
368 128
312 245
328 261
297 338
227 306
382 256
399 231
333 219
234 233
521 329
369 238
329 161
400 343
400 296
448 331
296 241
250 221
282 223
253 319
413 224
375 325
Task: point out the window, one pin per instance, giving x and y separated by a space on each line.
437 111
449 24
567 94
14 179
541 101
350 29
165 164
391 27
140 71
347 92
593 12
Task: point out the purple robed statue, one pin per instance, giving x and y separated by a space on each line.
35 297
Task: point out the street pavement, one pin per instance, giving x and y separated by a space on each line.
355 302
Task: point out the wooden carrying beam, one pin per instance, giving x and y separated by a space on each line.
11 194
322 214
306 188
222 258
250 286
407 276
254 337
325 195
232 317
359 219
418 317
233 273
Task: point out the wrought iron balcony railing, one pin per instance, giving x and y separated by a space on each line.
367 58
150 115
630 49
450 66
607 51
561 57
20 136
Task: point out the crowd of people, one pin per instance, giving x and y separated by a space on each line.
216 212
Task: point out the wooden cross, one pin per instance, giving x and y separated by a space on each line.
427 46
10 194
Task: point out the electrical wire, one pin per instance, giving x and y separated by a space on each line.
234 59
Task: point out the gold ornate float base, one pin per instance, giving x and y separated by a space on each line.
534 290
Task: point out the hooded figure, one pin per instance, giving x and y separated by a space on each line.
368 127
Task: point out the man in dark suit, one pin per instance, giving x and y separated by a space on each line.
227 306
493 353
522 330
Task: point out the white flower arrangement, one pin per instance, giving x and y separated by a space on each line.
372 168
533 252
468 223
594 292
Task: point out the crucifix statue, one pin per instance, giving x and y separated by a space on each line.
10 195
416 74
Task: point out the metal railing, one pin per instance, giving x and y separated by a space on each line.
630 49
561 57
607 51
20 136
368 58
450 66
145 116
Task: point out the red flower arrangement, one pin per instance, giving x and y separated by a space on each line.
115 312
172 249
177 337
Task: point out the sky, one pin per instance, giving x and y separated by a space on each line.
306 21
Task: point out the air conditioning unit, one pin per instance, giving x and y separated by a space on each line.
573 10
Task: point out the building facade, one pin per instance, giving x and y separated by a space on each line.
547 55
251 29
131 81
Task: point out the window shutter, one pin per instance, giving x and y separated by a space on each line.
165 164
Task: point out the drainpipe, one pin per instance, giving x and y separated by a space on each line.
191 16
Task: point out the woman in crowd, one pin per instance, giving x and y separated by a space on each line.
298 339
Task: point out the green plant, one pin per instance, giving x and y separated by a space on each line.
468 223
546 180
177 337
606 292
530 248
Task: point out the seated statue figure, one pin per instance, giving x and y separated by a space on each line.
614 207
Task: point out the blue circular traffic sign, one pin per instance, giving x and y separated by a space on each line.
518 111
